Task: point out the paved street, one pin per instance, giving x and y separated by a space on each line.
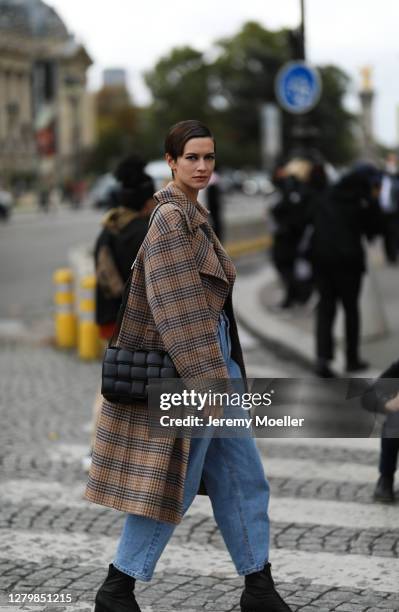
33 245
332 548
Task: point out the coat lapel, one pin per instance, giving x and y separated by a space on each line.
196 213
210 255
207 258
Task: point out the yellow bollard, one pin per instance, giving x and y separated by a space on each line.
88 336
65 318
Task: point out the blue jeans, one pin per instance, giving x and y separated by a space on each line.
233 475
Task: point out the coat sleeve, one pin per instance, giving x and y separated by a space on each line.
376 395
178 305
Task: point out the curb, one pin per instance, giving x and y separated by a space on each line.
248 247
279 334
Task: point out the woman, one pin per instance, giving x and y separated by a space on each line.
180 302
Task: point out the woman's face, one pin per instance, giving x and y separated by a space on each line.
194 168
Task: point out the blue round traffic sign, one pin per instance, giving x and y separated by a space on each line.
298 87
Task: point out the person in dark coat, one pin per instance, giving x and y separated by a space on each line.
389 203
383 397
346 214
312 191
214 204
124 228
288 215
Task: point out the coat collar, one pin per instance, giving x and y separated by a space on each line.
197 214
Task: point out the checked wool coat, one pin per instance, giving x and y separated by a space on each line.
182 279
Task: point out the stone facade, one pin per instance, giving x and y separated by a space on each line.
46 112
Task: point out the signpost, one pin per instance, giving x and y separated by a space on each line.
271 134
298 87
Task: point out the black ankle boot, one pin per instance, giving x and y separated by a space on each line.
323 370
116 593
384 490
260 595
357 365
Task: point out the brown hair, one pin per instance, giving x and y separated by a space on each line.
182 132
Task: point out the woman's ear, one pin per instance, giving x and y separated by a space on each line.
171 163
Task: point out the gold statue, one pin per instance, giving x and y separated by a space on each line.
366 73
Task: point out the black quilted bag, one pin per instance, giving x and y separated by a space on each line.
126 373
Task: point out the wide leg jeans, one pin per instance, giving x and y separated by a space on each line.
239 492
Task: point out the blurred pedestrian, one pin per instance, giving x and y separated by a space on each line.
180 301
78 190
389 203
313 190
289 216
214 204
44 199
343 217
383 397
55 199
124 228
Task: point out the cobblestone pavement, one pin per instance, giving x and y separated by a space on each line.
331 547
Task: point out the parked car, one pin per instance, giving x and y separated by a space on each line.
257 183
100 194
105 186
160 173
6 204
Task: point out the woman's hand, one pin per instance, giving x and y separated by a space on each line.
392 405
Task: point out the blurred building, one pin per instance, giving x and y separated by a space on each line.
114 77
113 94
46 113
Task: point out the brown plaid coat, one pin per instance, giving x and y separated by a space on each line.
182 278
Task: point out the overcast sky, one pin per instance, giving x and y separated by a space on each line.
349 33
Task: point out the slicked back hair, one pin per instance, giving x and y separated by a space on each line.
180 133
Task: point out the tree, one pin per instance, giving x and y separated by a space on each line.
179 87
335 124
116 128
243 79
227 93
244 76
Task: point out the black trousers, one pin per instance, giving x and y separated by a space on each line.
391 235
296 291
334 286
389 456
286 272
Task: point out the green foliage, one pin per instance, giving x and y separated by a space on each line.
225 93
116 129
335 124
179 86
242 78
245 70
